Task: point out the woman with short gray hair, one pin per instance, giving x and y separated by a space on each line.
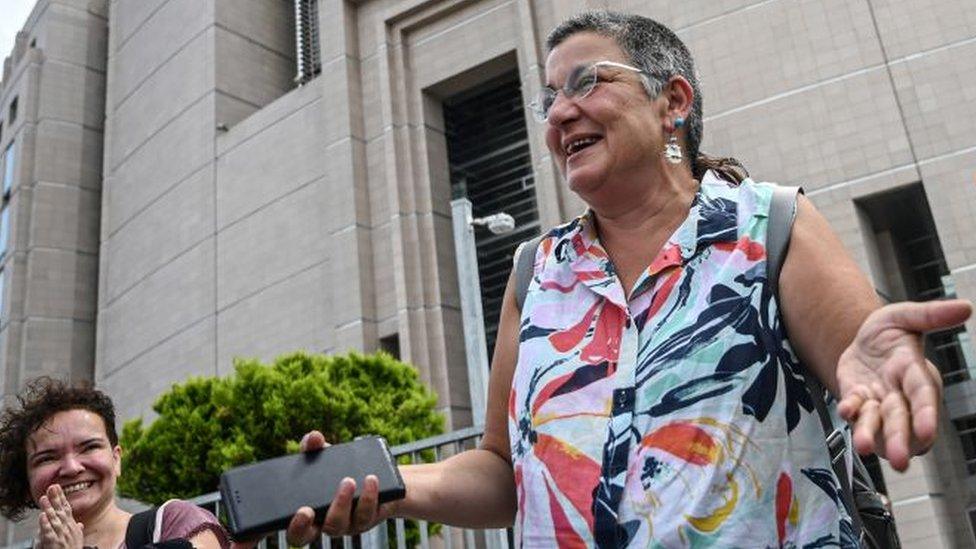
646 392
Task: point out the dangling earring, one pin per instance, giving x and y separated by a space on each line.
672 151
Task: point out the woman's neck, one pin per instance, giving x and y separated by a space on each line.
106 529
653 203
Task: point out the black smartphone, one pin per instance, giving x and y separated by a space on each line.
262 497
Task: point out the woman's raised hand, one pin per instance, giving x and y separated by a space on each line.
888 390
342 517
57 527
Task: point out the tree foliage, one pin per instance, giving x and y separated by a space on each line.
208 425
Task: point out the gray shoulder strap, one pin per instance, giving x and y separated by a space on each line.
782 211
524 262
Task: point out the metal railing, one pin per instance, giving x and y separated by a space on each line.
449 537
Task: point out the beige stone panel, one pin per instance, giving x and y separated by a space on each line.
342 101
468 39
180 149
66 153
384 290
229 111
381 201
250 71
950 186
65 217
754 54
72 94
287 152
291 315
453 332
553 12
15 289
61 284
128 17
350 277
74 35
189 352
922 525
164 95
937 92
370 22
271 24
346 195
163 305
369 78
358 336
406 258
337 24
448 294
272 244
59 348
839 131
837 204
161 36
168 227
11 335
912 27
259 120
438 176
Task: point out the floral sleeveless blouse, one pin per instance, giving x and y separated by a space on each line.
678 417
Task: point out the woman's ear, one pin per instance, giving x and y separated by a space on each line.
117 455
680 96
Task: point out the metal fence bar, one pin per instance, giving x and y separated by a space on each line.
401 534
424 538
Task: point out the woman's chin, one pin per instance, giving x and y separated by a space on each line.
582 181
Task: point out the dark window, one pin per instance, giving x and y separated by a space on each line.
490 165
966 428
908 242
391 345
12 116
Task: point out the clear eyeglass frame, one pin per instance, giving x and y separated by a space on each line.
580 83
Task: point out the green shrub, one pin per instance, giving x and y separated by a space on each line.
208 425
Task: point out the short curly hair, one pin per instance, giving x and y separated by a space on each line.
41 399
652 47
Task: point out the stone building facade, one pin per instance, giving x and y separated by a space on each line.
232 212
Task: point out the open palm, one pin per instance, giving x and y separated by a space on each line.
888 390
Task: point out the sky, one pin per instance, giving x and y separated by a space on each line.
13 15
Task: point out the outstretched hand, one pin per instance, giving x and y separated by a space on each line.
888 390
342 518
57 527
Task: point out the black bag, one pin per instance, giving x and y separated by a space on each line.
874 525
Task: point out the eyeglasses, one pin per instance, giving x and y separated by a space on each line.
580 83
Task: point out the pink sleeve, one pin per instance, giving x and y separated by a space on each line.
182 519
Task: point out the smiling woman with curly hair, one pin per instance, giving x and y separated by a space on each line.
59 453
